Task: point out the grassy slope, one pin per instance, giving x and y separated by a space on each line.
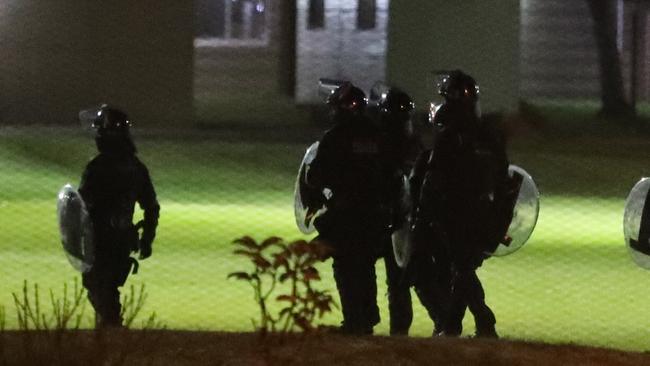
572 283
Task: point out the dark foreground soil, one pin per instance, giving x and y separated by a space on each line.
216 348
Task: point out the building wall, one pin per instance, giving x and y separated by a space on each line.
559 57
60 56
480 37
643 65
339 50
253 83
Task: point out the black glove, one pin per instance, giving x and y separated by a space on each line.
145 251
145 245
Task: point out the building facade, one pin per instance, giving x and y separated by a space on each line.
559 56
339 39
61 56
479 37
253 61
244 61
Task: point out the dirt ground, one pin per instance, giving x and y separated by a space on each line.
218 348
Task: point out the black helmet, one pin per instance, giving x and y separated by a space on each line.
349 98
458 86
395 109
110 120
396 100
112 129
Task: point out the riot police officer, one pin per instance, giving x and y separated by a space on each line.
394 117
461 185
351 163
111 184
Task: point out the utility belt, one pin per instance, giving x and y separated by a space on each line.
344 224
361 213
120 235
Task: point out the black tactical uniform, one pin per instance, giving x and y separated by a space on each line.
463 184
350 162
403 148
111 185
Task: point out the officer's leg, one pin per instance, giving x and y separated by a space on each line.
483 316
356 283
104 297
369 289
432 286
468 293
102 283
340 268
453 324
399 297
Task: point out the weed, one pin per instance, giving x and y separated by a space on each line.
132 303
67 311
28 309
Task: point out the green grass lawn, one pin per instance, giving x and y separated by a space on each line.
573 282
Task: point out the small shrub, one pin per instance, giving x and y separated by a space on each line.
293 264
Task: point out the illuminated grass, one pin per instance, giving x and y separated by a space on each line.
565 286
573 282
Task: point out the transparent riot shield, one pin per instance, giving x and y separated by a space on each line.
308 202
636 223
89 115
76 229
401 237
378 93
525 214
327 86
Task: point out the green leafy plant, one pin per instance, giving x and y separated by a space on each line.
276 262
296 265
263 277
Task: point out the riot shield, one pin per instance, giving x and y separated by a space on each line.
378 93
525 213
76 229
88 116
401 236
636 223
327 86
308 202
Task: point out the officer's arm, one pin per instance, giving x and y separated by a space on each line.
417 174
503 163
428 230
87 186
149 204
323 169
